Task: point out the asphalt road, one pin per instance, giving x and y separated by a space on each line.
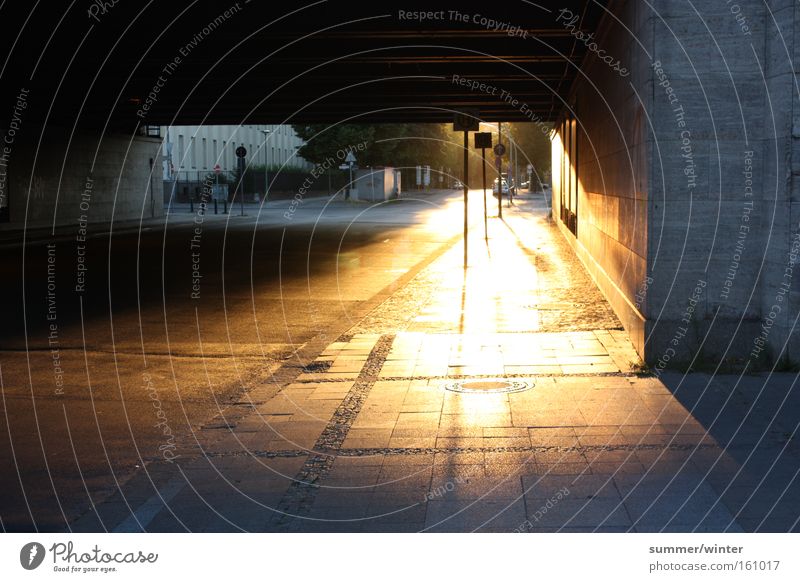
116 349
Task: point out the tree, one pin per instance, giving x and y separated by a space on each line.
534 147
384 144
323 142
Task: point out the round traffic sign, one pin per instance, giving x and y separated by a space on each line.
499 150
241 151
217 169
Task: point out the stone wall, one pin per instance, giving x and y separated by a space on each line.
688 215
55 178
610 107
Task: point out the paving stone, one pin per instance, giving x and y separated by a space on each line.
458 516
371 430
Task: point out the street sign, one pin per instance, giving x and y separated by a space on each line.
466 120
499 150
344 167
217 168
350 158
483 140
241 151
219 192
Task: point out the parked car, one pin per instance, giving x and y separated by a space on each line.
506 186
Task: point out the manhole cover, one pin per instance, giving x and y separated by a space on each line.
489 386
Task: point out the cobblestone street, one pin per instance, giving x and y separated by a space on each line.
501 398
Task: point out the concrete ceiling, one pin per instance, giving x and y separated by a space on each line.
278 62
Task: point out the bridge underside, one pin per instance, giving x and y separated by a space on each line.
221 62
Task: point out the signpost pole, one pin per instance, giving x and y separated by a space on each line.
466 194
241 152
500 173
485 210
241 184
466 121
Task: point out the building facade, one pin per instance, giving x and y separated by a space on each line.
192 151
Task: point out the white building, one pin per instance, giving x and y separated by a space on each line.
192 151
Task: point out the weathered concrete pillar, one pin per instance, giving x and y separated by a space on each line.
53 177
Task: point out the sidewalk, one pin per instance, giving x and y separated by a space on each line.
503 398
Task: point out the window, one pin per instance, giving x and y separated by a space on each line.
214 151
569 174
192 152
224 154
180 150
205 154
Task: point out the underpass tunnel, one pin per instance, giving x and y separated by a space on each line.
657 232
639 134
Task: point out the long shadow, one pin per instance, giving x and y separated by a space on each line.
755 419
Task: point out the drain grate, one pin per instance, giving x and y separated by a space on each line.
489 386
